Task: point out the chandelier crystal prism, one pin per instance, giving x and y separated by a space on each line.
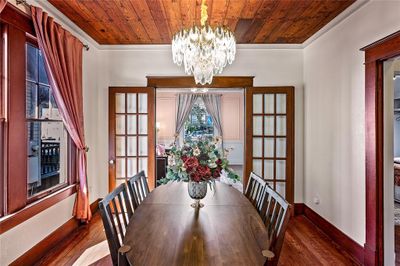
204 51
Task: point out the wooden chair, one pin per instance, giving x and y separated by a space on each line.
255 191
115 212
138 188
275 212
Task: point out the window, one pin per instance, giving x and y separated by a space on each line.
199 123
47 138
37 155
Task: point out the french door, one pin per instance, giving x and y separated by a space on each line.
269 145
131 134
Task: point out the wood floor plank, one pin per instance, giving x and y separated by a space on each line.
304 244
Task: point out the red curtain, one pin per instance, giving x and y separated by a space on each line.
63 59
3 4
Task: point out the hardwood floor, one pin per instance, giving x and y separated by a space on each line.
304 244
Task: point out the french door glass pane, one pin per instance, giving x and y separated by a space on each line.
281 169
132 124
120 146
281 147
143 164
281 103
269 147
143 146
120 165
257 125
269 122
281 188
142 102
257 167
120 124
268 169
257 147
281 125
132 167
120 102
132 146
269 103
142 124
131 102
257 103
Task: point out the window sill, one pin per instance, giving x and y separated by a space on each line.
14 219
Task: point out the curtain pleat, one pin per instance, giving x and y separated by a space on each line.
185 104
3 4
63 60
212 103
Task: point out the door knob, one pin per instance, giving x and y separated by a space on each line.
111 161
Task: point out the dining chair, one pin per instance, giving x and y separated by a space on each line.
275 213
116 212
255 190
138 188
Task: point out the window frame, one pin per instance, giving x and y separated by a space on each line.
16 206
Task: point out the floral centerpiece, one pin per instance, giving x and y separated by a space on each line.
200 163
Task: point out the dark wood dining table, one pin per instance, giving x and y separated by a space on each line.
166 230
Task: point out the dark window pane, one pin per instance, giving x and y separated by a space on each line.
44 101
31 63
31 99
47 156
42 71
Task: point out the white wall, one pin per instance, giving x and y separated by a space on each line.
271 67
334 115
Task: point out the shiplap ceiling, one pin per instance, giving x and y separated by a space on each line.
155 21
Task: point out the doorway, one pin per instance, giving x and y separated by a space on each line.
268 139
376 231
200 124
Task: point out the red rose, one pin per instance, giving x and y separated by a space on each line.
184 158
191 163
204 171
195 177
218 162
217 173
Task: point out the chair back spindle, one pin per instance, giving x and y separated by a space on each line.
116 212
275 213
255 191
138 188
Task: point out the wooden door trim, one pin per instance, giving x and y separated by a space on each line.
188 82
375 55
290 134
151 132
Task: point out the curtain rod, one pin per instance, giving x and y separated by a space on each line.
23 2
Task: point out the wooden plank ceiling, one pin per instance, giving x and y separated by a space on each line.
155 21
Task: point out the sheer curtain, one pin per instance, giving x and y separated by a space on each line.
2 4
63 60
185 104
212 103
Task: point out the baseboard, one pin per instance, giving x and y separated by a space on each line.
355 250
38 251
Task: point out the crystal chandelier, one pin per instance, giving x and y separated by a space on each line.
204 51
